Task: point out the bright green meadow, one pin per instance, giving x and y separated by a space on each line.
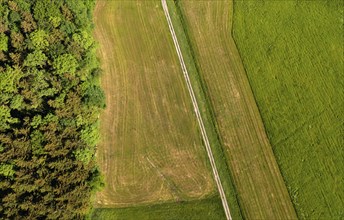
293 55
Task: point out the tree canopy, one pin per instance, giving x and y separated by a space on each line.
50 100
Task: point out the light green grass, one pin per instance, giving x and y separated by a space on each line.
208 209
293 55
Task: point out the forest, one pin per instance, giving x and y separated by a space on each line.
50 100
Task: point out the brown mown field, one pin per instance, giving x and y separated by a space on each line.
151 149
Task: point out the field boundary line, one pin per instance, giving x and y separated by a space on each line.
197 111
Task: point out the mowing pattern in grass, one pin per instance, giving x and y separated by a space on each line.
206 111
261 189
293 53
207 209
151 149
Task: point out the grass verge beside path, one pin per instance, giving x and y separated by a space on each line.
261 190
206 110
293 55
206 209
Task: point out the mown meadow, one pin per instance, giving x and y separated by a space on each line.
260 189
293 55
151 150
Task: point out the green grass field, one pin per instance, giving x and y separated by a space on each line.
261 190
206 209
151 149
293 55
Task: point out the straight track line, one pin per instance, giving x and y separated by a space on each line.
197 111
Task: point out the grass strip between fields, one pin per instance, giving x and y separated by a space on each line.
206 111
204 209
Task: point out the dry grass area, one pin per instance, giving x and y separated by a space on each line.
261 190
151 149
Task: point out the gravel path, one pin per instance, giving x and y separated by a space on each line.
197 111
